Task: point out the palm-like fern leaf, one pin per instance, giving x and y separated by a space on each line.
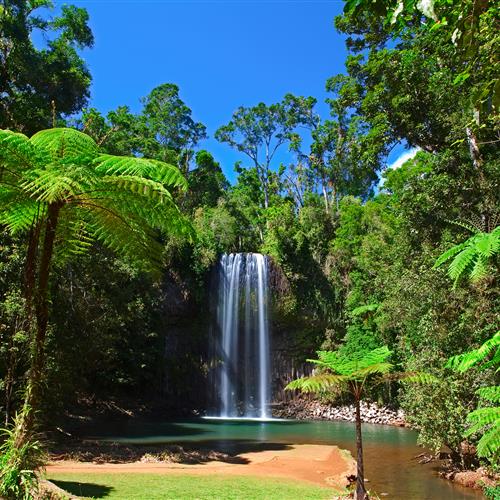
19 216
451 252
318 383
491 393
486 421
355 362
52 184
472 257
151 169
465 361
122 202
65 144
374 369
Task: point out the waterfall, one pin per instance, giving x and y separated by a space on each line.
241 337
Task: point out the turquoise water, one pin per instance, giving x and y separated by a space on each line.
389 451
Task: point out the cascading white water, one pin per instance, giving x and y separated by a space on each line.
241 380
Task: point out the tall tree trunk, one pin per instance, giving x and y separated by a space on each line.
325 197
266 193
33 391
30 270
360 476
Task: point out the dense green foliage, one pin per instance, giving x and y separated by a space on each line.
40 85
359 250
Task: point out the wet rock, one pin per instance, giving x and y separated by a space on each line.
309 409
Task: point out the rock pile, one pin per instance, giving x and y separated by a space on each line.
305 409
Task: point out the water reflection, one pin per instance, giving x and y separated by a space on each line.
390 463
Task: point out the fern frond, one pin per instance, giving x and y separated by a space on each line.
487 421
51 185
472 257
141 186
65 144
483 417
125 236
317 383
343 364
16 149
73 238
460 263
374 369
151 169
491 393
449 254
488 244
20 216
470 227
489 444
480 269
358 311
467 360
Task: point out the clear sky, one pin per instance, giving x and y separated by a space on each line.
222 54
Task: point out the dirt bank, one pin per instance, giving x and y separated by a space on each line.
324 465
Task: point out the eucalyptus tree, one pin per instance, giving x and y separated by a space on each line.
260 131
163 130
354 373
60 192
169 125
38 83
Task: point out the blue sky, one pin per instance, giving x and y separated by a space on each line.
222 54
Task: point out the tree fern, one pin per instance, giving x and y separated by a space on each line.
129 197
473 257
485 421
352 373
59 190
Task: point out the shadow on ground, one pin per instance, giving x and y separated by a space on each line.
102 452
91 490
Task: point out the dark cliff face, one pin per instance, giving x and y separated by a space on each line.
292 341
183 382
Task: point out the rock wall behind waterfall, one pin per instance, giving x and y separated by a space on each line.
291 339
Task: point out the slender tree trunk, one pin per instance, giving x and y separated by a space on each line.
474 151
360 479
325 196
9 379
266 192
30 270
34 390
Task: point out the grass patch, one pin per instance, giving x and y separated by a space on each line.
135 486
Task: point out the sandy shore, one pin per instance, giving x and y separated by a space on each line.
318 464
